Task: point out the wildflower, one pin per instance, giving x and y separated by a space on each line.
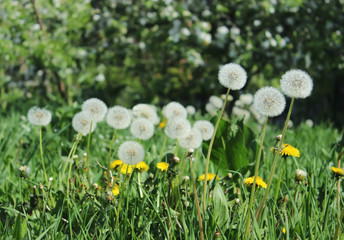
289 150
115 190
309 123
163 166
296 83
126 168
210 109
232 76
192 140
283 230
300 175
259 182
162 124
116 164
146 111
95 109
206 128
142 128
39 116
216 102
51 179
142 167
131 152
246 99
338 172
269 101
82 123
241 113
210 176
177 128
174 110
191 110
118 117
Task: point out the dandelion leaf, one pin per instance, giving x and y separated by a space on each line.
221 213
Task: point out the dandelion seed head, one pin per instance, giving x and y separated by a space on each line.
210 109
131 152
191 110
300 175
118 117
177 128
82 123
216 101
142 128
269 101
192 140
206 128
39 116
233 76
296 83
95 108
174 110
146 111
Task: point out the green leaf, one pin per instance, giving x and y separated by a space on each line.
20 228
221 213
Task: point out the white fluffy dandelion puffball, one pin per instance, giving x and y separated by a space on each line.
296 83
39 116
206 128
216 101
191 110
269 101
81 123
95 109
174 110
131 152
146 111
177 128
233 76
193 140
118 117
142 128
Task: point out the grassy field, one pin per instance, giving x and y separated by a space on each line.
157 204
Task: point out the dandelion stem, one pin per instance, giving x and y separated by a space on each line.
163 149
66 164
262 203
140 187
110 151
197 202
209 152
88 154
41 150
255 177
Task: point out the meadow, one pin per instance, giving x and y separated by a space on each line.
239 182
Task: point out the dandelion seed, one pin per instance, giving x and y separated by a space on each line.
296 83
95 109
193 140
142 128
259 182
118 117
269 101
216 102
177 128
39 116
232 76
146 111
82 123
131 152
210 176
142 167
300 175
174 110
206 128
338 172
163 166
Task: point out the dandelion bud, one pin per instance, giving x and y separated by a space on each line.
279 137
75 157
300 175
191 150
51 179
95 185
151 175
232 76
41 186
176 159
229 175
237 200
186 178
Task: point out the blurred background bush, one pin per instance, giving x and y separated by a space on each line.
57 52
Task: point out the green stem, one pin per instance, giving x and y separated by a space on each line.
110 151
41 150
139 181
66 164
262 203
197 202
255 177
163 149
88 155
209 152
279 183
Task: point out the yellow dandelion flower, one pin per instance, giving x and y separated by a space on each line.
289 150
115 190
163 123
163 166
283 230
337 171
259 182
142 166
126 169
116 164
210 176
